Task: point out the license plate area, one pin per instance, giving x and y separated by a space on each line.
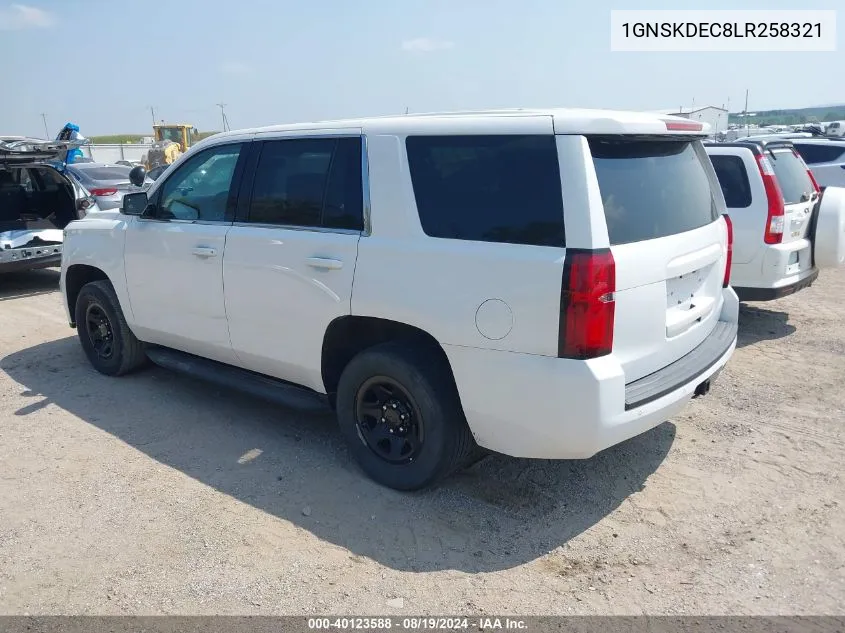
687 300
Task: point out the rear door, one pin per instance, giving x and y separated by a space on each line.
290 257
662 209
745 198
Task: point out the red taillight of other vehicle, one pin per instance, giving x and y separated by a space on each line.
103 192
587 304
773 233
727 279
809 173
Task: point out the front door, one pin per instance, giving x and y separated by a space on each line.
174 255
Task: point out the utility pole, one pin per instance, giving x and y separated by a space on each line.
46 131
153 113
222 107
747 128
406 109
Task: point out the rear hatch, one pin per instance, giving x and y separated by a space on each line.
668 242
799 192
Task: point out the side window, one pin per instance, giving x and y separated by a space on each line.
733 178
814 154
310 183
199 189
488 188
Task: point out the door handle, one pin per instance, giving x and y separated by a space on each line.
202 251
325 263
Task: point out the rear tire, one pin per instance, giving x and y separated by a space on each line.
400 414
109 344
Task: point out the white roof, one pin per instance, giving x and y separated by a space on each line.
689 110
548 120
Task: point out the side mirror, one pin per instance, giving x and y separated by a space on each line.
134 203
138 175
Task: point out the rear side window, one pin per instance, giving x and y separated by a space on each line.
792 176
488 188
817 153
733 178
651 188
309 183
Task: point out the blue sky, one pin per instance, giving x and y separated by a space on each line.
102 63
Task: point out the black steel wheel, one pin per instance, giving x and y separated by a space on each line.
108 342
99 330
389 421
400 414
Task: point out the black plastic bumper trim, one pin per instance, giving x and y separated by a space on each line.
769 294
683 370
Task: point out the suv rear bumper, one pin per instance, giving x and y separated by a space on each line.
542 407
769 294
778 270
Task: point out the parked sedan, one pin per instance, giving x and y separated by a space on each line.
107 183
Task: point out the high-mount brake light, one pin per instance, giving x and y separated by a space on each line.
683 126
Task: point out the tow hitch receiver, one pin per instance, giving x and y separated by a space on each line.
703 389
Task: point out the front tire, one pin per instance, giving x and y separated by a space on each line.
401 416
109 344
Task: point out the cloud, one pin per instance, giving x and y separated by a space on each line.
235 68
426 45
19 16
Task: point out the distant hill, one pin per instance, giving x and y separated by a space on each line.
792 117
133 138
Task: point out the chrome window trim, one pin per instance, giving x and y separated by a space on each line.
296 227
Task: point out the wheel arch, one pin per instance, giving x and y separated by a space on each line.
76 276
347 336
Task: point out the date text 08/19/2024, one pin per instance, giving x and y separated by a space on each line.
416 624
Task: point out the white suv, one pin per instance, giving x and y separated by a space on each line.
783 232
539 283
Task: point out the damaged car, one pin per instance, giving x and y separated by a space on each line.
37 201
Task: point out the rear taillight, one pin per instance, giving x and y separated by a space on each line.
775 220
587 304
729 260
103 192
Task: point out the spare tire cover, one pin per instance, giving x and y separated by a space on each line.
829 247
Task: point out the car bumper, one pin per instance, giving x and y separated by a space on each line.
30 257
536 406
779 270
787 288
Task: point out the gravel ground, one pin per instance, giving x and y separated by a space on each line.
157 494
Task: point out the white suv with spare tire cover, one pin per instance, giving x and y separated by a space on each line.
784 228
541 283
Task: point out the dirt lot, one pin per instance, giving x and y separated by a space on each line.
154 494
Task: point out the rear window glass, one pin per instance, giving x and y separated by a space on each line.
651 188
733 178
106 173
813 153
792 176
488 188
